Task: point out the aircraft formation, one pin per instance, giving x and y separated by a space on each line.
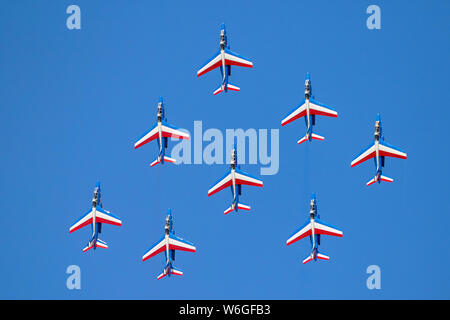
235 178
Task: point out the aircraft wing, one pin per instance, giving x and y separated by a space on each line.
105 216
150 135
158 247
321 227
221 184
214 62
176 243
169 131
83 221
320 109
366 154
231 58
387 150
300 233
294 114
234 59
244 178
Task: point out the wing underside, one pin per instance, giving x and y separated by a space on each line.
221 184
242 177
105 216
320 109
83 221
176 243
157 248
150 135
366 154
228 57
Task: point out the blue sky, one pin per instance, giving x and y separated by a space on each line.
73 102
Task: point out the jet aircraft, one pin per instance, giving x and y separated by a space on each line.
314 228
95 217
168 244
161 131
378 150
309 108
225 58
235 178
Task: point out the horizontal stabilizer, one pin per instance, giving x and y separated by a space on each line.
99 244
382 178
228 86
302 140
371 181
317 137
386 179
322 256
318 256
162 275
174 271
308 259
239 206
166 159
313 136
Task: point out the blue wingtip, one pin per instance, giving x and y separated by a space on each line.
222 27
378 117
169 212
308 77
97 184
313 197
160 99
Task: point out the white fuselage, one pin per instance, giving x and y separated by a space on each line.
377 153
307 93
160 137
222 55
93 221
233 181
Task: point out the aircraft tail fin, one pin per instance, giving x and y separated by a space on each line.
382 178
227 86
98 244
313 136
166 159
239 206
